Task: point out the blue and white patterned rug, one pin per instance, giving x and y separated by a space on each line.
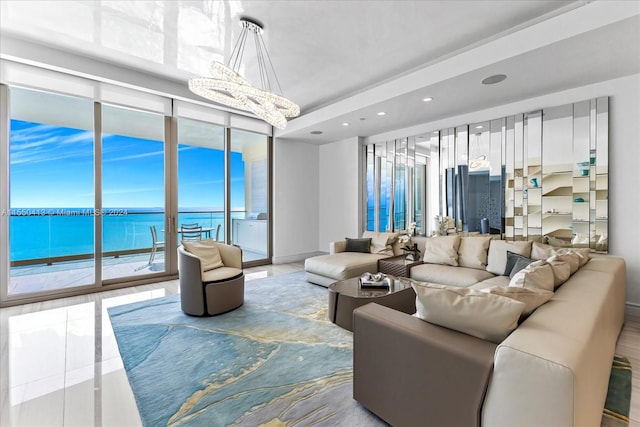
274 361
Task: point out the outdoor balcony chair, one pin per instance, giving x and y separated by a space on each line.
191 231
155 244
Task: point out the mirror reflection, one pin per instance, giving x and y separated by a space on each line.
540 175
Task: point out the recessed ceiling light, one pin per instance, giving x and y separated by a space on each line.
316 132
381 113
427 99
479 127
345 124
497 78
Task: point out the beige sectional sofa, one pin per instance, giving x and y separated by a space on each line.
340 264
552 370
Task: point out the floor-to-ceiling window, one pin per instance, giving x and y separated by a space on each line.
51 192
201 177
100 180
249 174
133 192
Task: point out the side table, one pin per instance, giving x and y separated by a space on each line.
397 266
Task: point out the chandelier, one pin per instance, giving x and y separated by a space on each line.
226 85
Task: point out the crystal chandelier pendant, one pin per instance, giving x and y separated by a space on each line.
226 86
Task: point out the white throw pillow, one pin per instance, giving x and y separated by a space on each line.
207 251
532 298
497 258
538 275
561 270
472 252
381 242
481 314
442 250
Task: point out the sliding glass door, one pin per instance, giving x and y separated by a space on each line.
51 193
132 214
201 177
99 185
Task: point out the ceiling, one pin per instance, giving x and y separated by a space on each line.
346 61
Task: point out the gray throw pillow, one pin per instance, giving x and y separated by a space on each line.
358 245
515 260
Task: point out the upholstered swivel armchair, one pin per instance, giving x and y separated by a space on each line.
211 277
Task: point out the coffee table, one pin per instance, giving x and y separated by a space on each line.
347 295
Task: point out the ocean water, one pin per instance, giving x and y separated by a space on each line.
44 233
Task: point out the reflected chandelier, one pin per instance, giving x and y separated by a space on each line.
228 87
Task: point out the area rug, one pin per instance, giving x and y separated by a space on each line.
274 361
617 405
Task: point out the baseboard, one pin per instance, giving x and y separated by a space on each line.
633 309
294 258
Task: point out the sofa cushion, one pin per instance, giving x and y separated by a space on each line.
343 265
515 263
442 250
542 251
222 273
207 251
358 245
448 275
532 298
571 258
491 282
497 258
561 270
381 243
538 275
481 314
473 250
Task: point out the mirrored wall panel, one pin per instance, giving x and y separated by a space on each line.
540 175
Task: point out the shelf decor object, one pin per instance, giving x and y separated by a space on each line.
226 86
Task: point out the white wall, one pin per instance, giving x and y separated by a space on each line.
296 201
340 191
624 151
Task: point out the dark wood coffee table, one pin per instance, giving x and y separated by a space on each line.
347 295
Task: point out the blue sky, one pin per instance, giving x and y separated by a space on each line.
52 166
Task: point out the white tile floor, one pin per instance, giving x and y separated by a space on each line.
59 361
60 365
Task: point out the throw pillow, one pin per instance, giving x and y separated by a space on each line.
472 252
442 250
207 251
358 245
561 270
481 314
381 242
541 251
584 254
497 258
512 261
532 298
571 258
538 275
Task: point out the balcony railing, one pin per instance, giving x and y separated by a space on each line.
48 236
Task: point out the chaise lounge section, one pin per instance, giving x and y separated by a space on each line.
343 262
